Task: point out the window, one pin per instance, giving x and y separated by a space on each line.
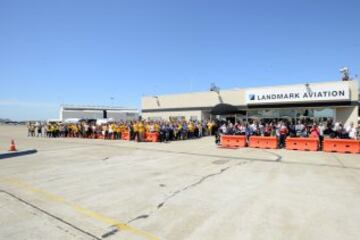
176 118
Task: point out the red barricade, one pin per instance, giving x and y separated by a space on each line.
151 137
125 136
263 142
305 144
232 141
341 145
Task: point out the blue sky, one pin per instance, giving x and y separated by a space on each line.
85 52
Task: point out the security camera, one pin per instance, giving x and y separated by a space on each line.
344 69
345 73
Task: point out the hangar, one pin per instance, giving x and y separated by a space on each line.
98 112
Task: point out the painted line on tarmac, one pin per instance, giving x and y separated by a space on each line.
86 212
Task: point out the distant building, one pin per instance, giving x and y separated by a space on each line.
98 112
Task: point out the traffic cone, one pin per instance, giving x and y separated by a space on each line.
12 146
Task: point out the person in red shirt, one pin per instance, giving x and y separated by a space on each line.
283 131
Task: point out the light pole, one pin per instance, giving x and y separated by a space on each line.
112 101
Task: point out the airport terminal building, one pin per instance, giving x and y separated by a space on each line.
337 100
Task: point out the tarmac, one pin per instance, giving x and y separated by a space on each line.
102 189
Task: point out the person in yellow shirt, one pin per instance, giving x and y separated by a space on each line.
190 130
118 131
180 135
112 131
209 127
136 131
141 130
76 130
156 127
147 127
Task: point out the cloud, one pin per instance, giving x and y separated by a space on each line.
18 103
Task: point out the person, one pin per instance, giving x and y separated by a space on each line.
300 129
248 131
162 133
191 130
229 128
322 130
49 130
223 129
141 131
283 131
94 131
267 130
135 135
314 131
86 130
237 128
28 125
110 131
104 131
199 130
62 130
351 131
38 129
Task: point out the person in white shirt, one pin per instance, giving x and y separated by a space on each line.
351 131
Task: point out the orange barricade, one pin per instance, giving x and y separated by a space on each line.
125 136
232 141
305 144
263 142
341 145
151 137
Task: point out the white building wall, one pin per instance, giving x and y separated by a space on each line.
346 115
166 115
81 114
122 116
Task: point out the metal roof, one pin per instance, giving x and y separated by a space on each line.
93 107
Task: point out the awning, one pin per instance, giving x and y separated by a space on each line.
224 109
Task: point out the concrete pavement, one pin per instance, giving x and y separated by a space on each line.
98 189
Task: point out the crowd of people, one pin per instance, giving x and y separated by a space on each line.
283 129
182 130
168 130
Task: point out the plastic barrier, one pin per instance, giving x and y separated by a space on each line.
341 145
263 142
232 141
305 144
152 137
125 136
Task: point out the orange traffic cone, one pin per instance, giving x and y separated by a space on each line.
12 146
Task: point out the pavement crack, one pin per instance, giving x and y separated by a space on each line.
187 187
278 157
92 236
110 233
339 161
144 216
198 182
